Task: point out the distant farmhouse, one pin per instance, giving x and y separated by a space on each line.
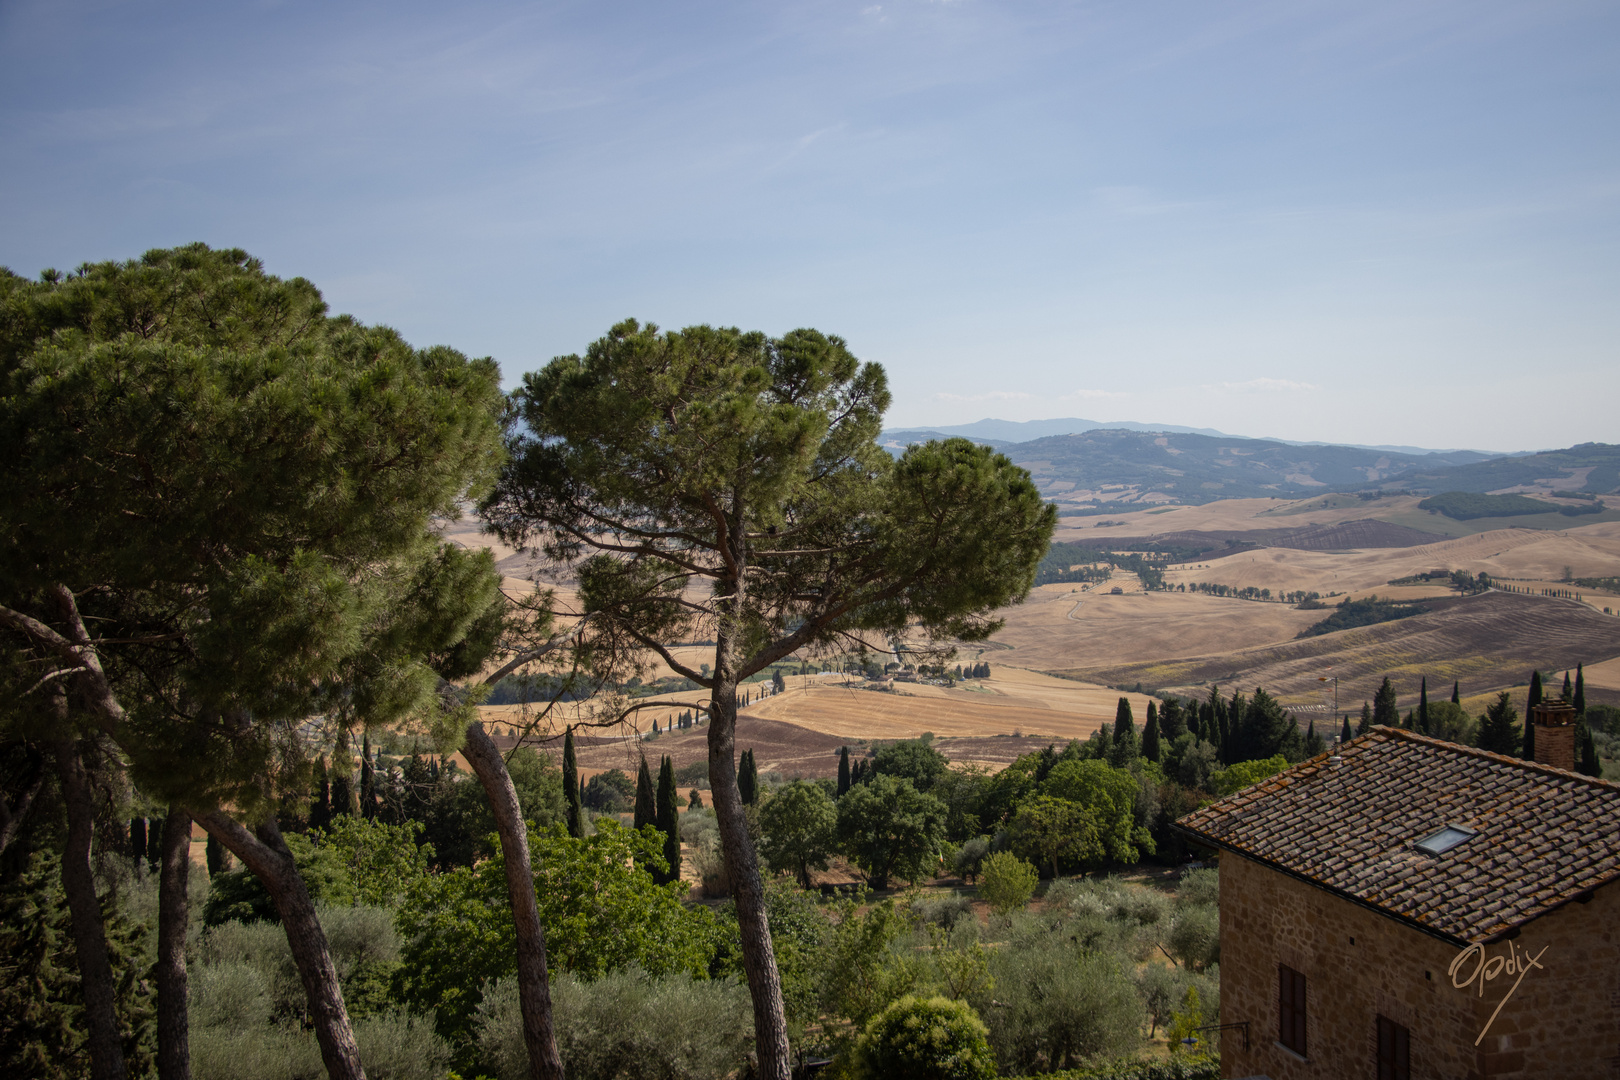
1407 907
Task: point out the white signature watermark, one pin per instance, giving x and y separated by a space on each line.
1487 968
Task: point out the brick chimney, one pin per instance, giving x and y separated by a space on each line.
1555 734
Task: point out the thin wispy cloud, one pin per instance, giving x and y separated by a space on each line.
1263 386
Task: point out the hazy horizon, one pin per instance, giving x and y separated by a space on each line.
1364 223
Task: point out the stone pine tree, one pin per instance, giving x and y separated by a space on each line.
237 491
1384 709
721 485
646 799
1531 701
843 770
571 789
1150 734
668 821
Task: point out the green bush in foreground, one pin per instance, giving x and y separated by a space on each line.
1183 1068
924 1039
1006 882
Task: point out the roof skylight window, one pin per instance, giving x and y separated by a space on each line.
1443 841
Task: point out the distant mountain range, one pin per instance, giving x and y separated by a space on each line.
999 432
1117 467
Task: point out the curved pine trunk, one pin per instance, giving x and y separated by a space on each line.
173 1017
89 933
266 855
534 990
747 887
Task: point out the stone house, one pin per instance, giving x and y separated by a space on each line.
1407 907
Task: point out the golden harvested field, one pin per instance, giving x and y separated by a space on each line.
1487 642
1235 515
1590 551
1011 701
1059 627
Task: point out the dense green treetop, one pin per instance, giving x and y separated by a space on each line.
238 488
720 456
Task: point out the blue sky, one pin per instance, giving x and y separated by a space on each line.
1362 222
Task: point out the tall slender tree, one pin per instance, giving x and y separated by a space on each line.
368 780
1456 693
1423 706
1150 735
1579 698
1365 724
745 471
843 770
571 789
668 821
646 810
1345 734
1532 699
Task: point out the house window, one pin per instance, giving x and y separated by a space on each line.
1291 1009
1394 1051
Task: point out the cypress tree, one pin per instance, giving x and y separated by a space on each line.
215 853
1150 735
843 770
137 840
1423 706
1366 723
320 804
1345 735
1456 696
342 795
1123 720
368 780
1587 762
1534 699
748 779
1567 693
1172 720
154 843
668 821
1579 700
570 783
1313 741
646 801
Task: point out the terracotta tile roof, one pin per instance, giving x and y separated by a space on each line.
1543 836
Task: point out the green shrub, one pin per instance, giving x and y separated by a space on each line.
626 1024
924 1039
391 1048
1006 882
1181 1068
1199 887
944 911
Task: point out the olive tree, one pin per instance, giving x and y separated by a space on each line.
711 484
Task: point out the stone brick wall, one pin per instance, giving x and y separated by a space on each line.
1563 1021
